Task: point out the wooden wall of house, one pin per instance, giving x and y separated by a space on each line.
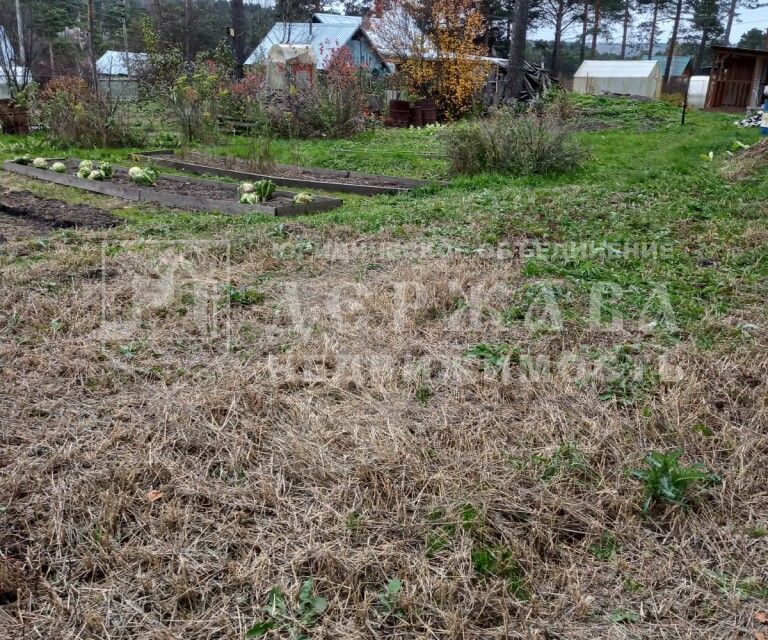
364 55
737 80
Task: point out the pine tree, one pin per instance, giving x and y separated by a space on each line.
753 39
560 15
706 25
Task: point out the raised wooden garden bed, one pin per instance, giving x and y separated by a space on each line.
180 192
284 174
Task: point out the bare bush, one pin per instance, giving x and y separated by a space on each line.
333 106
514 143
76 114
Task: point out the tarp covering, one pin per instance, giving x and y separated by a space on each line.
622 77
290 63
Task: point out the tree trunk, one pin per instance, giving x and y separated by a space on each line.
91 46
20 27
729 24
513 83
584 22
51 58
558 37
673 40
125 26
702 48
156 13
652 41
625 28
188 30
238 24
595 28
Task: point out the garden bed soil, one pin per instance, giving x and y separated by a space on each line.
286 174
208 189
178 191
25 215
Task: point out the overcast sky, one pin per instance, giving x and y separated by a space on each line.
748 19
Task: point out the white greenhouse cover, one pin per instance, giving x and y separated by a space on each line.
283 53
120 63
697 91
623 77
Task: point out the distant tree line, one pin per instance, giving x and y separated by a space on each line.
66 35
55 36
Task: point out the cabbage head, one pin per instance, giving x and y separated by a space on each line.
107 168
264 189
303 198
249 198
142 177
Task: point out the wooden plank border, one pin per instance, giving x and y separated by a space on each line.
192 203
160 158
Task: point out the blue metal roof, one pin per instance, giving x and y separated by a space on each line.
323 38
335 18
679 63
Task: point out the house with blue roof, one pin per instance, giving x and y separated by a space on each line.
682 66
325 33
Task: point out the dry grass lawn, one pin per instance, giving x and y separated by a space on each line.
180 456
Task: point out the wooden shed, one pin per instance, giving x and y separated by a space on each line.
737 79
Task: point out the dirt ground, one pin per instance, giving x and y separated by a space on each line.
194 187
24 215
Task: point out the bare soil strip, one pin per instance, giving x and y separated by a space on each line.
23 215
179 192
289 175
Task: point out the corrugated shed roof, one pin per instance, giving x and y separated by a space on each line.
119 63
335 18
679 64
617 69
323 38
